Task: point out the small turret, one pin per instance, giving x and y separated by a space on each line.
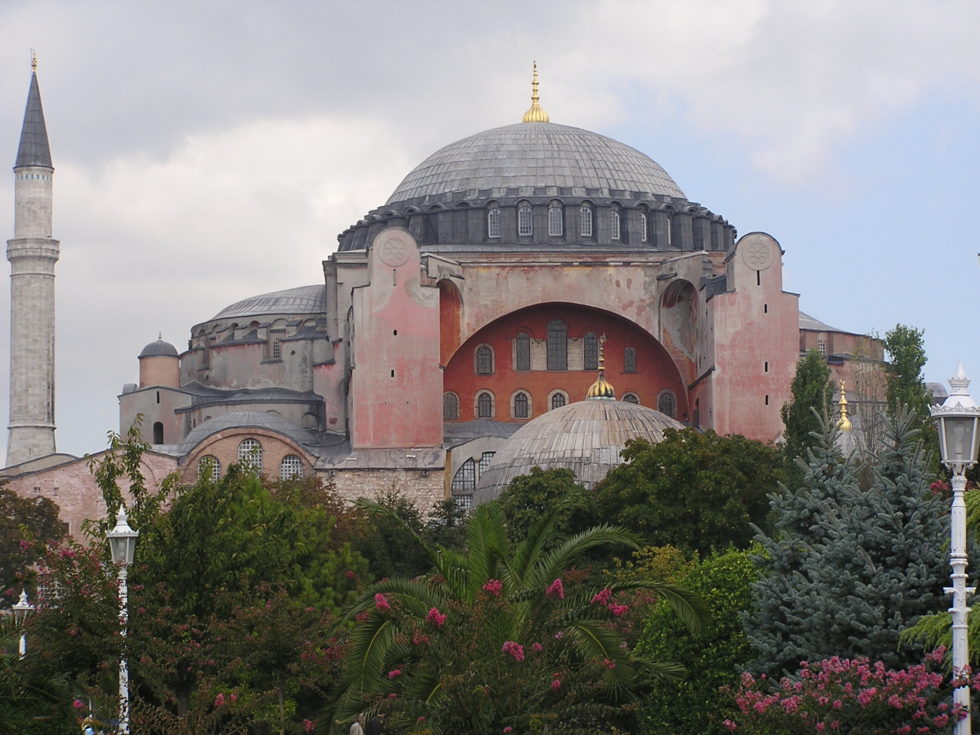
159 365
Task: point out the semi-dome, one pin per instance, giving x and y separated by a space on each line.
159 348
300 300
586 437
568 160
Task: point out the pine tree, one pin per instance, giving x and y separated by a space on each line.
848 567
812 394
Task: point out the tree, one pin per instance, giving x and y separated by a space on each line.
812 394
528 497
27 527
847 568
905 385
501 635
694 490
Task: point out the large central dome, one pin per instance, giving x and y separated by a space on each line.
573 161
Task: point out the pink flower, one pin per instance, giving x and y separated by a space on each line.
77 704
418 639
537 647
556 589
308 725
609 663
516 650
381 602
508 729
435 617
420 720
233 697
729 725
219 700
394 673
494 587
618 610
556 684
602 597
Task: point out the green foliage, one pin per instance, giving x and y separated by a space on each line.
849 567
503 634
387 540
905 384
713 657
527 498
812 395
28 526
694 490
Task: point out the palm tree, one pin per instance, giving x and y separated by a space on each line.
501 635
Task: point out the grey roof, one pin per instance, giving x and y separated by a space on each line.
460 432
33 149
300 300
246 420
160 348
814 324
586 437
535 155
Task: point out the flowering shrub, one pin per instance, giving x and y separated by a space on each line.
494 587
846 696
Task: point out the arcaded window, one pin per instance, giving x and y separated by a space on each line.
558 399
484 405
555 220
629 360
450 406
291 467
631 398
485 461
585 221
208 467
614 226
484 360
590 350
465 477
522 352
522 405
524 226
643 227
667 403
250 454
557 345
493 223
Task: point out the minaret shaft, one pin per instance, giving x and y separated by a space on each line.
32 254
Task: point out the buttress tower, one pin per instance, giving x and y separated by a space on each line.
32 254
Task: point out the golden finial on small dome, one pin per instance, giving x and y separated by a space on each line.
601 388
844 423
33 61
535 113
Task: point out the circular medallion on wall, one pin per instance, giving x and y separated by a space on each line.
394 250
757 254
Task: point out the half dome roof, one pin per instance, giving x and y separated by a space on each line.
534 155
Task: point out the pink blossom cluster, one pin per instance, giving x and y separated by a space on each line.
846 695
556 589
604 597
381 602
516 650
494 587
435 617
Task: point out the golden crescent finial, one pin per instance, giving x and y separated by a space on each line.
33 61
844 423
535 113
601 388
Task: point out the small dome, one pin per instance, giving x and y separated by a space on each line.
160 348
586 437
300 300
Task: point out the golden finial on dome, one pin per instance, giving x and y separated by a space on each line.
535 113
601 388
33 60
844 423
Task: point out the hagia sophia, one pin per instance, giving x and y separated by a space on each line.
454 334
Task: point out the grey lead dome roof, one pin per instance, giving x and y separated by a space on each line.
300 300
536 155
586 437
159 348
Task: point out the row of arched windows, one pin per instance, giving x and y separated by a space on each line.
556 352
250 455
520 404
556 222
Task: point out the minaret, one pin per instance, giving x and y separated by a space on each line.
32 254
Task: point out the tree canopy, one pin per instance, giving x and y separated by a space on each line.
812 395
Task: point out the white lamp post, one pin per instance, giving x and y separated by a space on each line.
959 435
122 546
22 611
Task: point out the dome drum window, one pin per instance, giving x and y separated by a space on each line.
525 220
555 220
615 229
585 221
493 223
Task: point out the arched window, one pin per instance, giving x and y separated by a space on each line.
484 405
484 360
493 223
558 399
250 454
643 227
667 403
557 345
555 220
590 351
629 360
485 461
614 226
275 350
208 467
291 468
585 221
524 226
522 405
631 398
450 406
158 432
465 477
522 352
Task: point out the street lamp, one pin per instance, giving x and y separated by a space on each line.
22 611
959 434
122 546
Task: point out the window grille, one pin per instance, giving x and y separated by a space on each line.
615 225
524 226
250 454
291 467
643 228
465 477
591 352
493 223
522 352
629 360
667 404
557 400
485 461
585 222
554 221
522 408
484 406
450 406
484 360
631 398
209 468
557 346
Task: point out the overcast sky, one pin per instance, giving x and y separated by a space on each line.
205 152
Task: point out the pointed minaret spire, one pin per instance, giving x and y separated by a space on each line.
33 149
